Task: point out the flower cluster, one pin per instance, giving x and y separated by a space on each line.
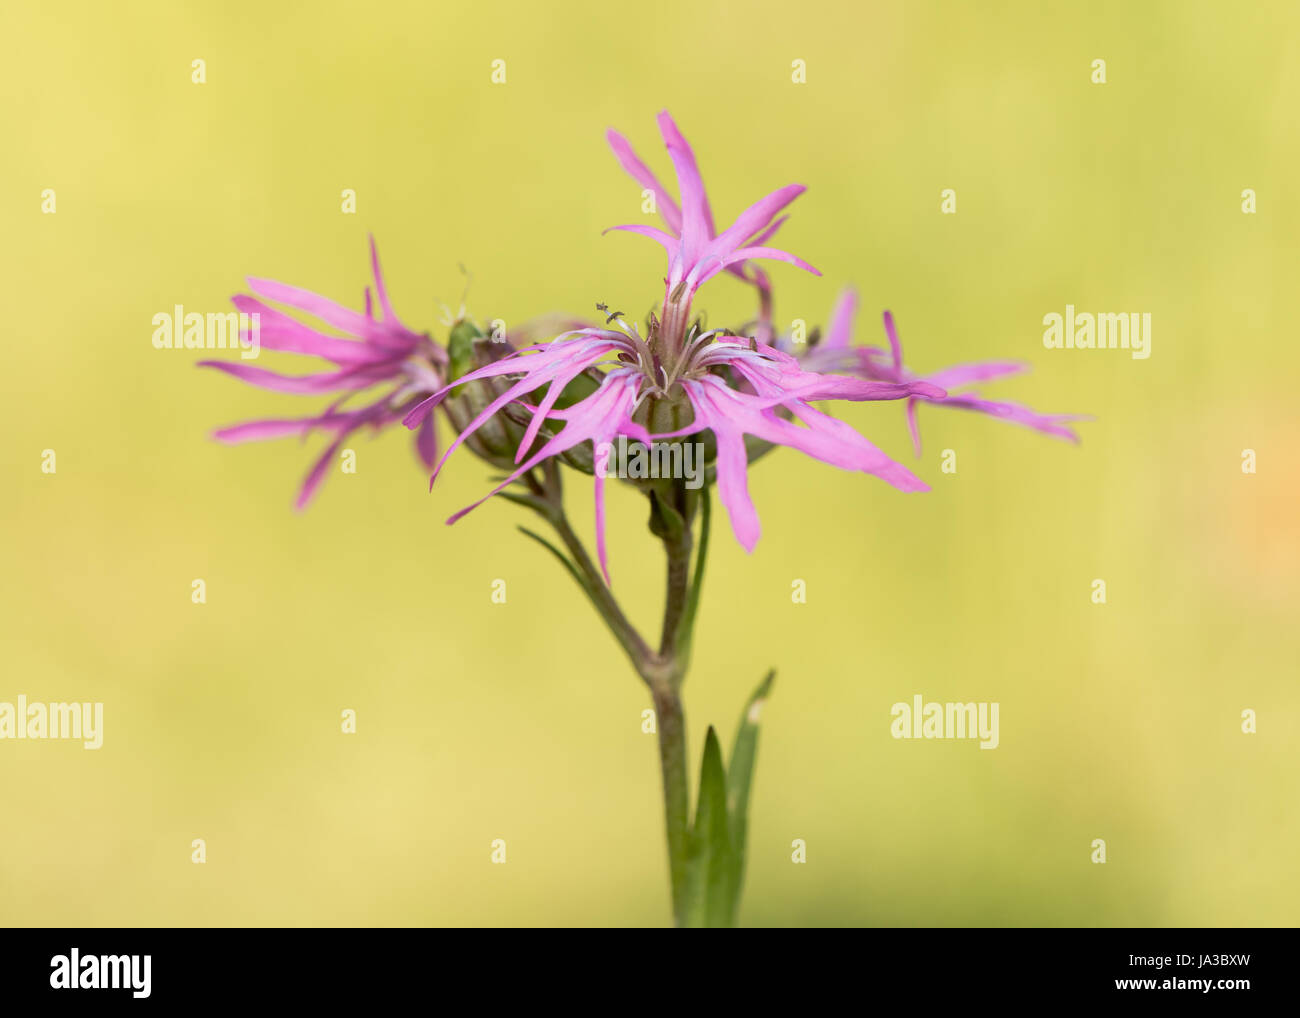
592 384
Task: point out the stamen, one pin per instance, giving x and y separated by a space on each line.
616 318
641 396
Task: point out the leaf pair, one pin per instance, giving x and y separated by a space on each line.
715 862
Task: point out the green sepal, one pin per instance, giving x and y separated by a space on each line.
666 523
578 389
460 351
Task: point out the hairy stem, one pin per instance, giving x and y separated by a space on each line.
678 554
673 760
662 672
680 603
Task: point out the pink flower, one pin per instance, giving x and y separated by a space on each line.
696 252
677 368
671 213
620 406
835 354
384 354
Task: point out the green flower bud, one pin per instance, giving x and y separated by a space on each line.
497 441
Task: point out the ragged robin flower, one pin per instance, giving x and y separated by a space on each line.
678 380
835 353
380 355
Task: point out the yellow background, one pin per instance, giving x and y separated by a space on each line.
481 721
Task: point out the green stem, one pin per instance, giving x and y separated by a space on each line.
674 762
662 672
680 603
547 500
677 551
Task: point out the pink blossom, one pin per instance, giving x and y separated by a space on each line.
836 354
374 354
769 397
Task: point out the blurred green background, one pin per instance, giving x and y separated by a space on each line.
522 721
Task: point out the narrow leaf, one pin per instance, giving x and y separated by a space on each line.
710 862
740 774
564 559
538 505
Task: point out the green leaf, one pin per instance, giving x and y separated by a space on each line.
740 774
618 627
564 559
710 860
535 503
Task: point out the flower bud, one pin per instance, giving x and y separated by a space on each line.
497 440
468 349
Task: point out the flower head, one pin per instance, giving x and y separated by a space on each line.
671 213
836 354
677 380
374 354
696 251
632 390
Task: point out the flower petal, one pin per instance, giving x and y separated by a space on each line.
349 378
538 369
639 172
317 473
426 443
258 431
653 232
1047 424
913 427
390 315
753 220
351 322
895 347
823 437
732 466
277 331
840 329
697 218
710 266
598 418
982 371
